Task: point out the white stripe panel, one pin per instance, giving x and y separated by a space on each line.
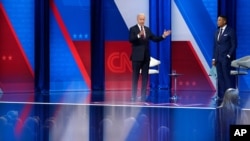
181 32
130 8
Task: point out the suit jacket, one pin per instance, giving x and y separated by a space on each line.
140 46
226 45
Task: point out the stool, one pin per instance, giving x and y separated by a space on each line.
237 73
175 75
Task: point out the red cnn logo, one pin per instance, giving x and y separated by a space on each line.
119 62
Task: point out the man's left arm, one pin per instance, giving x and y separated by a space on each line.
159 38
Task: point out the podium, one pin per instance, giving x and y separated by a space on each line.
175 76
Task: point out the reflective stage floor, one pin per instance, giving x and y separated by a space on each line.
111 116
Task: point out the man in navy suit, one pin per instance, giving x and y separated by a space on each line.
139 37
224 50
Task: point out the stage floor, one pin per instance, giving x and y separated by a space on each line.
111 116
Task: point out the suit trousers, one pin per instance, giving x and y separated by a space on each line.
224 77
140 67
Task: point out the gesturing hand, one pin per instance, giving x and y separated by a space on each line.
166 33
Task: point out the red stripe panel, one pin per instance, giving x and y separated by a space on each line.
118 67
16 73
186 62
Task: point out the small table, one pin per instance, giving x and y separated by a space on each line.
175 75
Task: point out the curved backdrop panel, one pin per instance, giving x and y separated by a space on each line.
242 29
120 15
17 46
192 43
70 45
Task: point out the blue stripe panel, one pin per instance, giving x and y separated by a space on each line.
160 19
211 7
243 33
76 17
64 72
115 27
200 22
21 15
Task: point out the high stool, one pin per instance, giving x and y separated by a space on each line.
240 64
175 75
237 73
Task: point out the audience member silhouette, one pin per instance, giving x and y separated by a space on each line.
229 113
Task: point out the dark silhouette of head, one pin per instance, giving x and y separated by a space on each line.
231 98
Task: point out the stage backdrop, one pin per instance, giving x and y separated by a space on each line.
17 59
191 48
16 46
243 28
119 17
189 54
193 30
70 45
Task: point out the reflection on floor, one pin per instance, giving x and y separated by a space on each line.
111 116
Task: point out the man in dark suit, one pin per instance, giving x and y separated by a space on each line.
224 50
139 37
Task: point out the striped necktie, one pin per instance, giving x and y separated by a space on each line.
220 33
143 35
